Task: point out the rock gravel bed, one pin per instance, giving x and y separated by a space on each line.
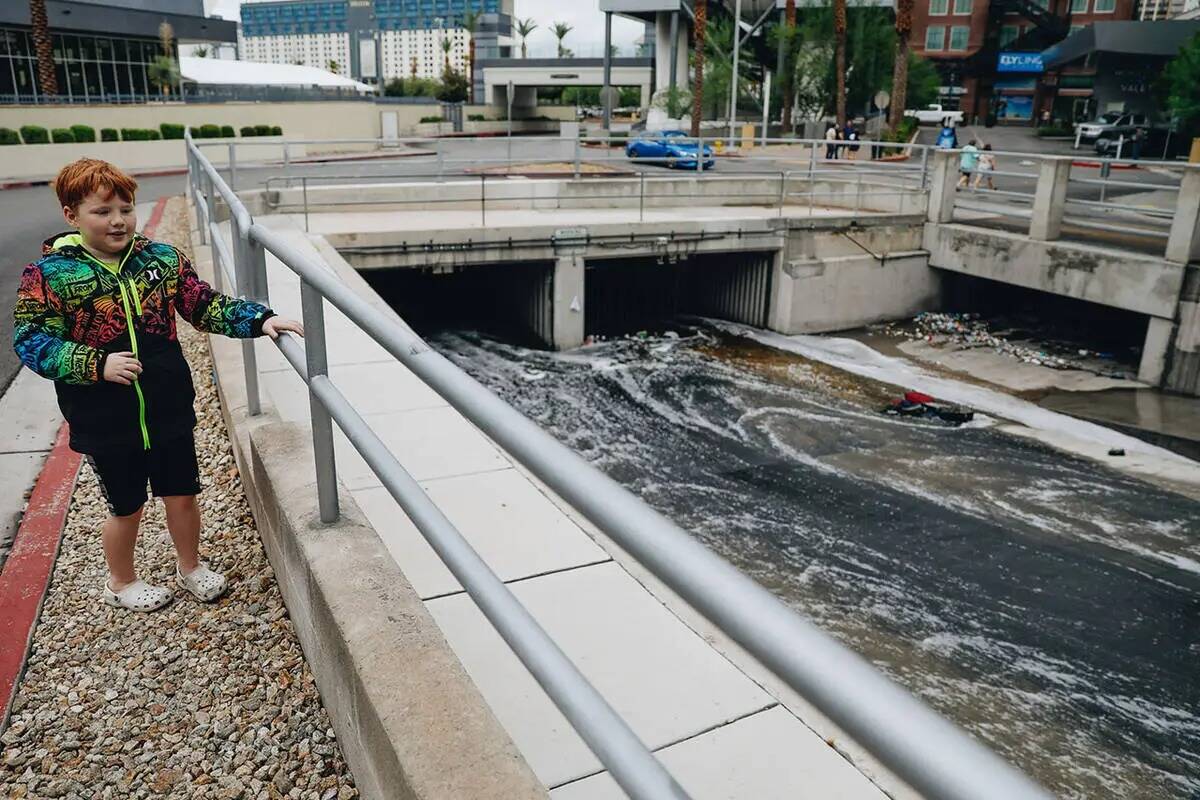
195 700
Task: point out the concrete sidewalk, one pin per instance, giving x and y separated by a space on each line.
31 419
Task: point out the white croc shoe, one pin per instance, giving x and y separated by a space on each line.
138 596
202 582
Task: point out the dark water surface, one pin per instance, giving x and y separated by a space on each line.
1048 605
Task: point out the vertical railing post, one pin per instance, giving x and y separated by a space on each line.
210 197
1050 199
700 154
245 288
286 163
578 156
304 192
782 190
313 311
812 163
437 148
924 168
482 201
642 196
233 166
1105 166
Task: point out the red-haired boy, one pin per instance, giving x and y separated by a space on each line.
96 315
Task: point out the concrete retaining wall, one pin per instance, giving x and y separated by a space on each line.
828 281
418 727
22 162
1183 371
1130 281
614 191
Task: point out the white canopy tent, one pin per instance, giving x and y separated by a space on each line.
214 72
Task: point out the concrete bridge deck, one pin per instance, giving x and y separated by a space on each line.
704 711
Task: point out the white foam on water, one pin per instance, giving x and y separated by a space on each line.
859 359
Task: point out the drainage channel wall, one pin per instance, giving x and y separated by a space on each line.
652 191
410 721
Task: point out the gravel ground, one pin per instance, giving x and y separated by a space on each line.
195 700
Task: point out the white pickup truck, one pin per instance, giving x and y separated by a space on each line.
934 115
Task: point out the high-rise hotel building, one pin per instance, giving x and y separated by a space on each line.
365 39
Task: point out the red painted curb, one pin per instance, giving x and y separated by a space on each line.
155 217
30 565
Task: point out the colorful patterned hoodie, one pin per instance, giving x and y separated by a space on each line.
73 310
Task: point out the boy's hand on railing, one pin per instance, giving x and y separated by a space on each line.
122 368
276 325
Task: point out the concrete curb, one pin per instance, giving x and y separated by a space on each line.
410 721
29 568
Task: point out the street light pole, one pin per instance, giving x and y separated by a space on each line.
737 38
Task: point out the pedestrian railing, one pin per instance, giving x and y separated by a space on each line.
930 754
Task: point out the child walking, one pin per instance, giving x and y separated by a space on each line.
96 315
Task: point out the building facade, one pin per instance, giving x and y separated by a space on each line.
369 40
102 48
988 53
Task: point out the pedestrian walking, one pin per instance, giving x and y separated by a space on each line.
831 136
967 163
96 315
985 168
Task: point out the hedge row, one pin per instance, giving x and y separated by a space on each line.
35 134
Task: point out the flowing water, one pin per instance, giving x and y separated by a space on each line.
1045 603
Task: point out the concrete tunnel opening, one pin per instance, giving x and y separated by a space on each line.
518 302
1034 315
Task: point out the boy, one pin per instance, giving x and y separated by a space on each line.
96 314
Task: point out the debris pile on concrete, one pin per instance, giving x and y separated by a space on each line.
967 331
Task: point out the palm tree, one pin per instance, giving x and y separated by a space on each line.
412 67
561 29
788 73
47 81
469 20
839 32
200 52
164 70
904 19
334 66
701 15
524 28
446 45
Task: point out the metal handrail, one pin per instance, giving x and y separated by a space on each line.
919 746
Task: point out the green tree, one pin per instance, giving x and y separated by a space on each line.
200 52
700 25
470 19
902 61
561 29
453 88
524 28
47 80
924 82
163 72
1181 85
333 66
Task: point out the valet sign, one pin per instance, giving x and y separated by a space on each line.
1020 62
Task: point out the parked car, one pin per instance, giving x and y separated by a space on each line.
1112 125
1157 143
934 114
672 148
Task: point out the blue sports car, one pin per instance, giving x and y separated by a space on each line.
673 148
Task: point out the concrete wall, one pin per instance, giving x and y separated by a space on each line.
1183 361
24 162
1134 282
825 282
614 191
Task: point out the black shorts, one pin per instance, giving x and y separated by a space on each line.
170 468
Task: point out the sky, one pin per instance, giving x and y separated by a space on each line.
587 38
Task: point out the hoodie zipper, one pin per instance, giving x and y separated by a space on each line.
130 318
